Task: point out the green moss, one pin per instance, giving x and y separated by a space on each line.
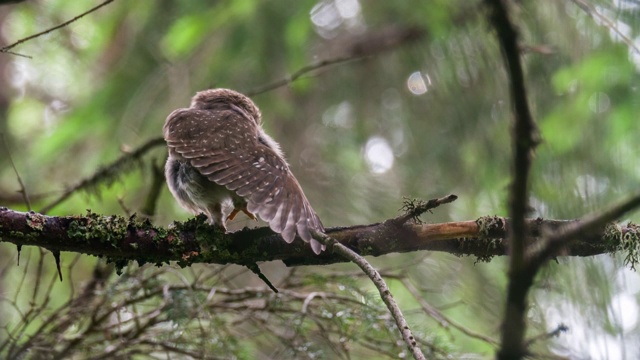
483 248
28 237
612 235
106 229
213 242
162 233
631 245
16 234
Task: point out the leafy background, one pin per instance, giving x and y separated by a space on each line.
420 115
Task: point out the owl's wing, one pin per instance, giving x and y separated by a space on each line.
226 147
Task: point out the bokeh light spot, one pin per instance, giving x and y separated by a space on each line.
378 154
418 83
624 309
348 8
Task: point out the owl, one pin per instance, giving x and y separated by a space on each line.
221 162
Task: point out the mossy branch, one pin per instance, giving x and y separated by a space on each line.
124 239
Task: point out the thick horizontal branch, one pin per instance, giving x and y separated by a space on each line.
194 241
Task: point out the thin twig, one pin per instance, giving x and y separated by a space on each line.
382 287
256 270
441 318
17 54
8 47
23 188
556 332
591 11
414 208
107 171
157 184
302 71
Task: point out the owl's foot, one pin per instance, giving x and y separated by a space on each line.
244 210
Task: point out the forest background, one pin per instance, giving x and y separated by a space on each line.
372 102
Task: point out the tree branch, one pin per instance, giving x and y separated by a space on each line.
524 140
553 243
6 49
194 241
371 44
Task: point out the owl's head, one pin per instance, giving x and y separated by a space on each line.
214 99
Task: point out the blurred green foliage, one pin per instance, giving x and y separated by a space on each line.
105 84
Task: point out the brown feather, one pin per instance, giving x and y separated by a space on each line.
220 136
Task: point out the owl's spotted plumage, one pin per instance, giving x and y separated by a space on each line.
218 152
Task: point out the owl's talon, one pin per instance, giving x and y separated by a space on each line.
244 210
233 214
250 215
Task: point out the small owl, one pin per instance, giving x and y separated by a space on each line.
220 159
